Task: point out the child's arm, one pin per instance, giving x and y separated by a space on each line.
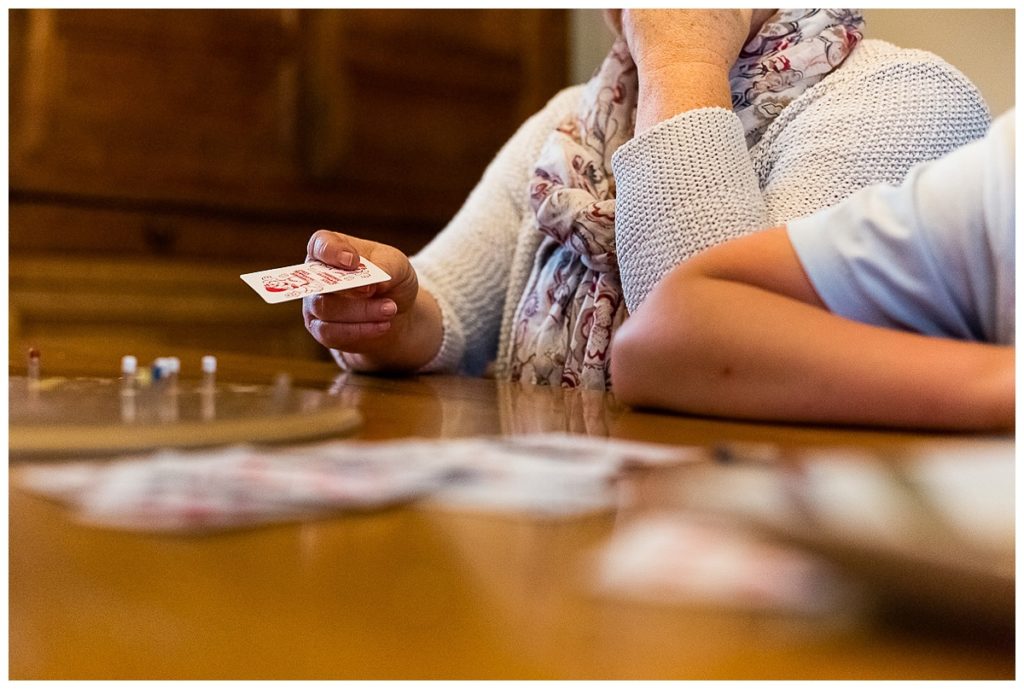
739 331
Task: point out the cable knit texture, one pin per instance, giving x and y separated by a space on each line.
690 183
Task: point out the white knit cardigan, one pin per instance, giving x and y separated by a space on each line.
691 182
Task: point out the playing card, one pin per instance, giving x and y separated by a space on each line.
547 475
551 475
681 559
294 282
573 447
209 490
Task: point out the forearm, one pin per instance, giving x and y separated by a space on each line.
685 181
668 91
723 348
682 187
683 58
411 342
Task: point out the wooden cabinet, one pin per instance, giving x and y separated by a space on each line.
219 139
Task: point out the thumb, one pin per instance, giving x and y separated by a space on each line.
334 249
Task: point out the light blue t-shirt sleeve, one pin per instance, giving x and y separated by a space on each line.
934 255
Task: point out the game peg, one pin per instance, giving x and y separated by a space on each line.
166 368
209 367
167 406
129 368
159 368
173 369
282 383
129 364
33 363
282 388
207 402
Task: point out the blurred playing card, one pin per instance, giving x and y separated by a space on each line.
499 480
681 560
548 475
971 488
240 486
572 447
294 282
539 475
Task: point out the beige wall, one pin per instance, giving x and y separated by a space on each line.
980 43
977 42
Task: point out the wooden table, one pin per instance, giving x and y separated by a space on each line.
415 594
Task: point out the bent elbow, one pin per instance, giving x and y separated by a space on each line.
660 346
651 355
642 364
630 358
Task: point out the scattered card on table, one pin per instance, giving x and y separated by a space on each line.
294 282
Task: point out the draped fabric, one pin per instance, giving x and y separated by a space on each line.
573 301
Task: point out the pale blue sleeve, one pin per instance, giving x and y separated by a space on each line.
934 255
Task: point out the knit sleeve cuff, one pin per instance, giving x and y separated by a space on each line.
453 340
448 356
683 185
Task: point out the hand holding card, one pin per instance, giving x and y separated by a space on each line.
294 282
391 325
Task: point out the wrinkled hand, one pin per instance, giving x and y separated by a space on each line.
357 320
682 57
658 39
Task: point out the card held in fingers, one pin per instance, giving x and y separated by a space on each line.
294 282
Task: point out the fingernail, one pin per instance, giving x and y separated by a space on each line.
389 308
346 259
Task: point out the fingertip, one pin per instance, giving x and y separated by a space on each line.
316 245
315 305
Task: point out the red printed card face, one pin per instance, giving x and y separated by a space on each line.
294 282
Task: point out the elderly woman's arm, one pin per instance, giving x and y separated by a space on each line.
740 332
683 57
442 309
689 181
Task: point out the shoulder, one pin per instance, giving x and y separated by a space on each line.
900 84
523 148
878 60
886 104
872 54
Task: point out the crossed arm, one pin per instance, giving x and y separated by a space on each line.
739 331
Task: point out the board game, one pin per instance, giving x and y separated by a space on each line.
74 416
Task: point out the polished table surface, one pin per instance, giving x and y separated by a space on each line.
410 593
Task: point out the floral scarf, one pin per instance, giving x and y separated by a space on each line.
573 300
